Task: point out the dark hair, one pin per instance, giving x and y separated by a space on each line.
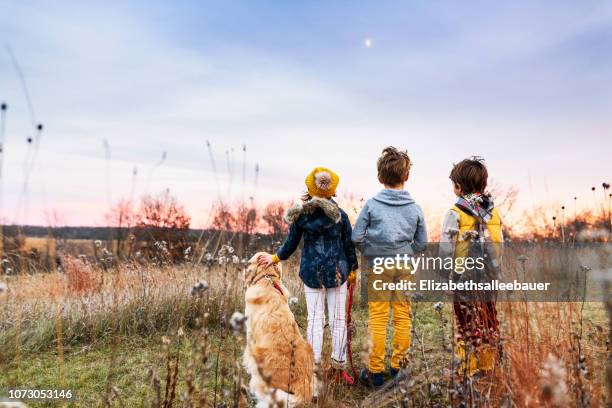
393 166
470 175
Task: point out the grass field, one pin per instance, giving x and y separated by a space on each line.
136 336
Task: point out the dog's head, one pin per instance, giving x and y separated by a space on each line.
255 272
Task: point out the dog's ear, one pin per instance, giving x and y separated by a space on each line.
279 269
253 269
254 273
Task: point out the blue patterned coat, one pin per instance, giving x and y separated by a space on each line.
328 254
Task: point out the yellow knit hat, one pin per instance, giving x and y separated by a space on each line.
322 182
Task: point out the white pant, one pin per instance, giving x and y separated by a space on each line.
336 308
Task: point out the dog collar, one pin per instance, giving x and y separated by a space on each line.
278 287
273 282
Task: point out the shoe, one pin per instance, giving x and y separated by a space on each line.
372 380
393 372
337 375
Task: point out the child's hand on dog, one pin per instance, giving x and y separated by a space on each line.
264 260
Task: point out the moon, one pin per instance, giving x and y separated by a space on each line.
367 42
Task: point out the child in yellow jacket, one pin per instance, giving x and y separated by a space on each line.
473 219
390 223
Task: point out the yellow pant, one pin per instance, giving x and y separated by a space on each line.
377 325
481 359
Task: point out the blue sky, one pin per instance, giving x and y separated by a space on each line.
526 85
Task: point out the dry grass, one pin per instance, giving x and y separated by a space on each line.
554 353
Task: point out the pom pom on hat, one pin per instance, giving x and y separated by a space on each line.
322 182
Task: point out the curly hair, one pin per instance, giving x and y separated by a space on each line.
393 166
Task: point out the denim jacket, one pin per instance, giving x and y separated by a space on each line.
328 254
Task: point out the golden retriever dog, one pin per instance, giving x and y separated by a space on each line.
279 361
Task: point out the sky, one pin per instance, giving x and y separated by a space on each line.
119 85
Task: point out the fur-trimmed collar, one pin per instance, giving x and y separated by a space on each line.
329 207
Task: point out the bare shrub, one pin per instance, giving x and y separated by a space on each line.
273 218
162 228
223 218
121 217
80 276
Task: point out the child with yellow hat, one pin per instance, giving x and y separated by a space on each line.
328 257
